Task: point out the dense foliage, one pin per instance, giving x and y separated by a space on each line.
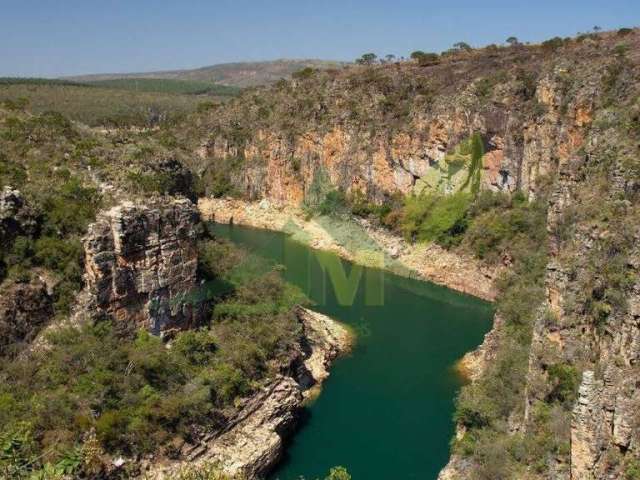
135 392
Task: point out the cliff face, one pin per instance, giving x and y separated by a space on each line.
396 129
518 152
591 318
25 308
141 263
562 125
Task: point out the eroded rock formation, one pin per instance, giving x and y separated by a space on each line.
25 308
141 263
16 216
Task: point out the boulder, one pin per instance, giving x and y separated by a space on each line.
24 309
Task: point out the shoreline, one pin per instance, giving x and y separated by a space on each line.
253 442
361 243
423 262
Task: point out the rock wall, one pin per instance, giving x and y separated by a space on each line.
141 263
518 150
16 216
604 424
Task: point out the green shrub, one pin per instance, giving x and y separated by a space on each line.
303 74
565 380
436 218
69 209
425 59
11 173
632 469
621 50
334 203
552 44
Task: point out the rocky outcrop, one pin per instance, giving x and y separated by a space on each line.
141 263
16 216
252 441
475 363
324 340
25 308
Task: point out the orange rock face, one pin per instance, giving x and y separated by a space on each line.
381 163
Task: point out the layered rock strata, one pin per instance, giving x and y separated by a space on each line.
141 263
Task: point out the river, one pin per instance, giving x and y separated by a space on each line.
386 411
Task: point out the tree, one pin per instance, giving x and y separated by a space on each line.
462 46
424 59
390 57
338 473
513 41
367 59
597 28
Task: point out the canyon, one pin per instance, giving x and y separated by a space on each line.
538 143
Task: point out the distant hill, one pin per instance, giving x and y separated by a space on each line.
242 74
166 85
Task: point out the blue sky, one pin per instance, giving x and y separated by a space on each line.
65 37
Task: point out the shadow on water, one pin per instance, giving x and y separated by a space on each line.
386 410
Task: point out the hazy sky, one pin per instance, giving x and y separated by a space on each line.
64 37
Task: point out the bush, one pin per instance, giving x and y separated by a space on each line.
425 59
565 380
441 219
621 50
334 203
553 44
303 74
69 209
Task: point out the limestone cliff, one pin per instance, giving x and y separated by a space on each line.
141 263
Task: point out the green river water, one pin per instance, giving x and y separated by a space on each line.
385 413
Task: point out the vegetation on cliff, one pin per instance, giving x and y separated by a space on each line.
109 390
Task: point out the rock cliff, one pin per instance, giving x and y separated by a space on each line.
141 263
381 131
16 216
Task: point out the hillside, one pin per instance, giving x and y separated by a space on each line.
241 74
114 103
